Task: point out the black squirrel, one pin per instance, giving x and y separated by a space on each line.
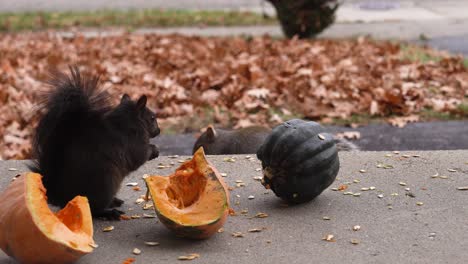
84 146
244 141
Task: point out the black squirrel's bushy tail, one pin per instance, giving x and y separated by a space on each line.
74 103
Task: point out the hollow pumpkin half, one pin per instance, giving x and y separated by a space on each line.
193 201
31 233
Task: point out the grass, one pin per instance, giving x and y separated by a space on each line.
131 19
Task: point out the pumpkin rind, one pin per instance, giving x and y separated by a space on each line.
31 233
177 219
299 160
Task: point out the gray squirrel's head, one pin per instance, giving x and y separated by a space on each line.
206 140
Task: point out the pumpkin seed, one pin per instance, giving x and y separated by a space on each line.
362 171
334 189
416 155
251 197
108 229
255 230
261 215
12 169
396 152
248 157
145 176
355 241
244 211
329 238
189 257
239 181
365 189
221 230
181 161
356 194
435 175
322 137
132 184
139 200
135 216
406 156
388 155
402 183
372 188
394 194
348 193
258 178
223 174
258 169
93 245
229 159
136 251
147 206
161 167
356 228
149 216
452 170
326 218
173 156
419 203
380 195
237 234
463 188
443 177
356 181
407 189
151 244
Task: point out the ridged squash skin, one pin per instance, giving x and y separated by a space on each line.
31 233
299 160
206 213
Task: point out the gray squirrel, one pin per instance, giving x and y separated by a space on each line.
84 146
216 141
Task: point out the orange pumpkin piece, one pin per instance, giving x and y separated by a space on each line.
31 233
194 201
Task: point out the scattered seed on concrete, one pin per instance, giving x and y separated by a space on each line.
173 156
355 241
108 229
419 203
452 170
136 251
334 189
463 188
255 230
149 216
365 189
151 243
221 230
394 194
258 169
244 211
380 195
251 197
405 156
396 152
407 189
362 171
416 156
248 157
132 184
12 169
326 218
443 177
356 228
258 178
261 215
356 181
388 155
238 196
240 184
135 216
189 257
237 234
356 194
93 245
147 206
372 188
239 181
402 183
329 238
229 159
348 193
161 167
181 161
223 174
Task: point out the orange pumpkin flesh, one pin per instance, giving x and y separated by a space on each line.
31 233
194 201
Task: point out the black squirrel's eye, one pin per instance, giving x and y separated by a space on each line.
153 117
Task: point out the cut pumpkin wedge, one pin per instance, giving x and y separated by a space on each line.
193 201
31 233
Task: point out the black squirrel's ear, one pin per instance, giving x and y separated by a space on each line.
211 132
125 98
141 103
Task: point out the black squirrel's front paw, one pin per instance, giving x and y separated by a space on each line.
154 152
110 214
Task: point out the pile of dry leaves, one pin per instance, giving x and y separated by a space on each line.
228 81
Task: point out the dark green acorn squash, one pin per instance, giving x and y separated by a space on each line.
299 160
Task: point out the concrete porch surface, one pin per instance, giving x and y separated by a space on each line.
394 229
